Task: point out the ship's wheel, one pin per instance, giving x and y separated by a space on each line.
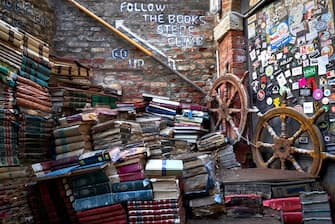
228 105
289 140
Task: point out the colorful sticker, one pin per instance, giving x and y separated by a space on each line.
279 35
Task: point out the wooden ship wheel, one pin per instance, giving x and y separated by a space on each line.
228 105
287 139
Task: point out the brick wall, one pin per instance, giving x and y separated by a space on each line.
32 16
182 30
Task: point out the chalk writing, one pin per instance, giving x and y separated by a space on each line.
21 7
120 53
141 7
135 63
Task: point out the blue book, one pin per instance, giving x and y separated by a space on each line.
140 195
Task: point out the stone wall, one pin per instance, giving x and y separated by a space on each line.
32 16
182 31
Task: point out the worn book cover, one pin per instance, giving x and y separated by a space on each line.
131 185
155 167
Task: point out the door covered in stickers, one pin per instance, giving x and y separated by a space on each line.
291 49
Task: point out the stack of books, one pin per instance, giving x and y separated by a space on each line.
131 164
150 127
164 108
227 158
189 125
244 205
68 69
11 40
35 136
66 198
212 141
13 190
9 150
166 206
106 135
315 207
72 139
113 214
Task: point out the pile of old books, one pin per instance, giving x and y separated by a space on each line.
190 124
35 62
72 137
13 190
106 135
9 151
10 46
315 207
166 206
162 107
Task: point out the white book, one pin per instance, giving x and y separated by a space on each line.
164 101
149 95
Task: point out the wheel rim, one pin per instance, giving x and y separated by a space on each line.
228 105
277 146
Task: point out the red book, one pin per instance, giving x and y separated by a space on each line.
152 217
150 207
102 216
113 219
139 175
153 202
100 210
166 221
133 167
153 212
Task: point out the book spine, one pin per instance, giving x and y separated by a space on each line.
101 188
93 202
167 221
129 168
101 216
131 176
131 185
153 212
141 195
113 220
101 210
153 202
88 179
152 217
153 206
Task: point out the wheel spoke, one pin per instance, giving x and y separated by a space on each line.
295 163
214 110
233 126
218 98
218 123
303 151
283 119
264 144
234 110
301 130
271 160
230 100
282 164
270 130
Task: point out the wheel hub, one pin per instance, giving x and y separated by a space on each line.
282 148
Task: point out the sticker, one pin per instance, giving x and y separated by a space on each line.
275 89
309 71
269 70
260 95
302 82
328 50
287 73
305 92
311 83
323 126
308 107
276 102
326 138
279 35
330 74
332 128
297 71
317 94
326 107
298 108
253 55
281 79
269 101
285 89
326 92
332 109
295 86
325 35
303 140
325 101
263 79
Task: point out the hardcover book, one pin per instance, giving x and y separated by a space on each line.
131 185
164 167
91 190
